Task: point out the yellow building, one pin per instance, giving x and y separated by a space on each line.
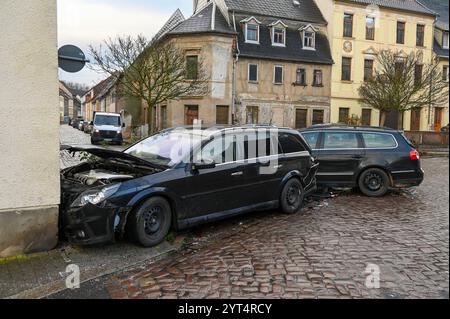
441 49
357 30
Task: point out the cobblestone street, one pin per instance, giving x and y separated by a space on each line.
321 253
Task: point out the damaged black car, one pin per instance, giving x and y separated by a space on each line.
183 177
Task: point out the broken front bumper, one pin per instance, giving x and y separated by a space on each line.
90 224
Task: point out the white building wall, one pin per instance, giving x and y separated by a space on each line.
29 139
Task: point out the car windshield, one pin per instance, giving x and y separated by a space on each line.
107 120
167 148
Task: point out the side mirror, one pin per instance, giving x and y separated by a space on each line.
123 124
204 164
91 123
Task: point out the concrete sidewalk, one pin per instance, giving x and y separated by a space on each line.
38 275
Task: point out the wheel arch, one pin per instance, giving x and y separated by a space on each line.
140 198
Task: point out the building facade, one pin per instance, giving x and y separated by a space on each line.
29 164
266 65
358 30
440 116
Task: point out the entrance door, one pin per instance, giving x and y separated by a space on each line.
438 112
191 114
415 119
300 118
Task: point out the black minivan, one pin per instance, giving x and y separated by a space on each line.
184 177
371 158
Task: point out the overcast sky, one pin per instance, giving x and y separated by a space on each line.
84 22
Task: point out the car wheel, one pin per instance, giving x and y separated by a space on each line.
150 223
292 196
374 182
92 142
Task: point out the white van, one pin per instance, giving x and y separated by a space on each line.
107 127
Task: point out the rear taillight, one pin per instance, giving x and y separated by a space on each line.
414 155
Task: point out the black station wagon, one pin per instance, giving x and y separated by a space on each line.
183 177
373 159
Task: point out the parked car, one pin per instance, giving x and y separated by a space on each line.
107 127
76 122
373 159
183 177
80 125
86 126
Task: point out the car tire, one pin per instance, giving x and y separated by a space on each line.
150 223
291 198
93 142
374 182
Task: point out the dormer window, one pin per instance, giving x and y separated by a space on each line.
309 37
308 40
251 30
278 31
445 39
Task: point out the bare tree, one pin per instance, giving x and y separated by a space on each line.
153 71
402 83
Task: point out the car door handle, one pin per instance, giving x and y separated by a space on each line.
357 156
237 174
278 166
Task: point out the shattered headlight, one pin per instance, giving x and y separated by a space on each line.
95 196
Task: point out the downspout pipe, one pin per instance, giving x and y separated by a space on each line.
234 80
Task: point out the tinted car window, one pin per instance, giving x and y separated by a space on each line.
257 145
311 138
220 150
340 140
290 143
375 140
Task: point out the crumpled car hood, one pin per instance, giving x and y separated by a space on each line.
110 154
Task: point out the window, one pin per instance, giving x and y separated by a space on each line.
445 39
366 117
401 32
279 36
370 28
222 114
252 33
253 73
318 117
311 138
340 140
163 117
344 115
368 69
301 77
445 73
420 35
252 114
257 144
290 143
318 78
192 67
278 74
346 69
376 140
220 150
301 116
309 39
348 25
418 74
